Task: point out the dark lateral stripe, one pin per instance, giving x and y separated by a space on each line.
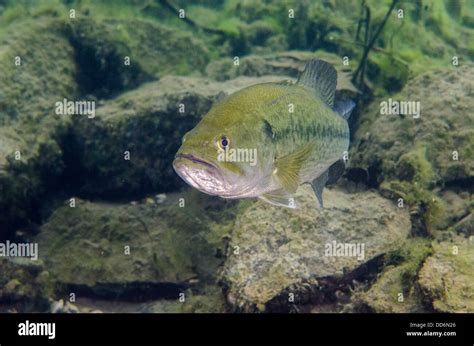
298 131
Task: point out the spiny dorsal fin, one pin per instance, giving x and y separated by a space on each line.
287 168
344 108
322 77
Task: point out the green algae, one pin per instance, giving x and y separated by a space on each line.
395 288
26 283
446 277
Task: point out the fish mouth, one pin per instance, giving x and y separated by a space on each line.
200 174
195 160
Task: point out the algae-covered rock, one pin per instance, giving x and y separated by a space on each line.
400 146
394 290
136 250
458 206
447 277
274 252
10 142
30 163
37 69
26 283
118 54
148 124
410 155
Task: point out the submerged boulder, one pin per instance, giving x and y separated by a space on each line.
30 163
394 289
436 147
37 68
412 156
281 257
447 277
137 251
116 54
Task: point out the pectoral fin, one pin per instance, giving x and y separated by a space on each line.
318 186
280 198
287 168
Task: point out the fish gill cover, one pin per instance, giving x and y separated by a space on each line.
96 97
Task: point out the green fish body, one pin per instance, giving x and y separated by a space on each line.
266 140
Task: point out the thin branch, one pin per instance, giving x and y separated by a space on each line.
361 68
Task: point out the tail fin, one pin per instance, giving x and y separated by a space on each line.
344 108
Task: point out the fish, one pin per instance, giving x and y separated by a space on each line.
266 140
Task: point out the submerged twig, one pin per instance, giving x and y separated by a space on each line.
358 78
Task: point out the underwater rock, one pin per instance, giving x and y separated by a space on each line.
395 145
395 289
30 163
275 252
37 68
458 207
136 252
148 125
46 60
10 142
25 285
446 279
116 54
408 157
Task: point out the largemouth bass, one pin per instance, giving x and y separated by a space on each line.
267 139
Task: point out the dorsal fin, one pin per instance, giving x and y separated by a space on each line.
322 77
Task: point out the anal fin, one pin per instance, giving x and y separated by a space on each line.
318 185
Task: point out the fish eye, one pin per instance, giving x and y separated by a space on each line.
223 142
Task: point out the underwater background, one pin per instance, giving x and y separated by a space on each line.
127 235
